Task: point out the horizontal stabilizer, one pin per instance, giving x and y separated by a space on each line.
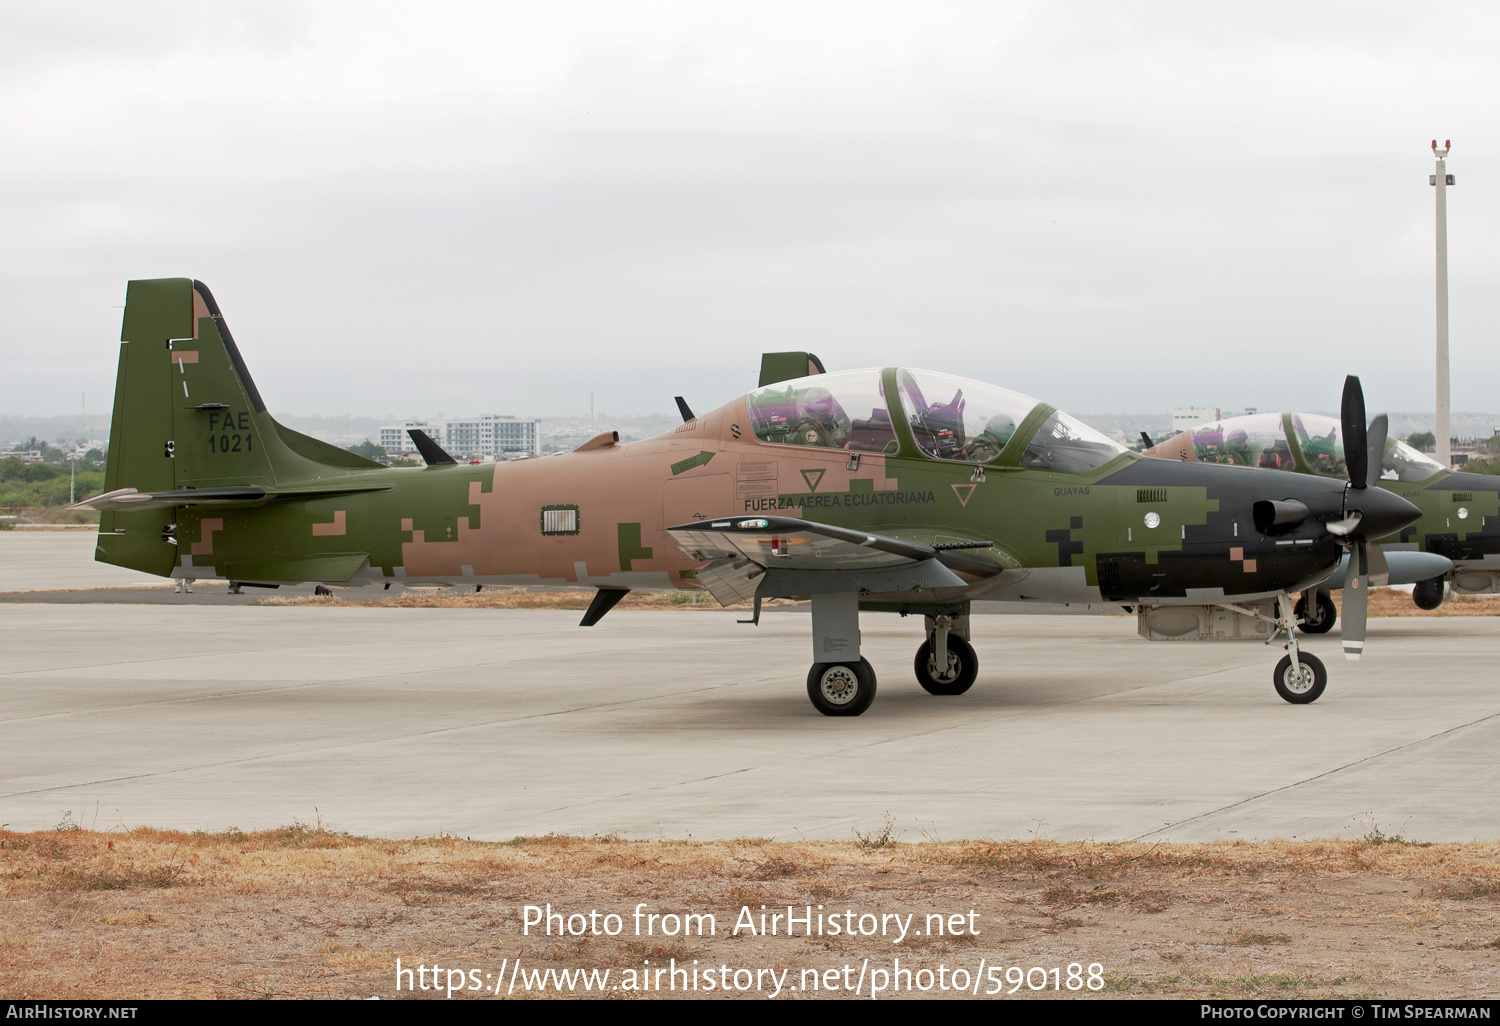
129 499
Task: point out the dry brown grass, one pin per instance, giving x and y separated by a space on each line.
1394 602
303 911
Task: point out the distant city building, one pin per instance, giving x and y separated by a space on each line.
489 436
24 455
81 450
1191 416
395 440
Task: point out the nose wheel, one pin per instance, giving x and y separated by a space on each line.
1304 682
841 689
1300 677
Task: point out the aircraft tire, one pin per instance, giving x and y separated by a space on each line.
841 689
968 667
1325 611
1313 680
1428 594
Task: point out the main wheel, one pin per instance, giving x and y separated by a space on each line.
1428 594
841 689
1322 615
962 668
1304 687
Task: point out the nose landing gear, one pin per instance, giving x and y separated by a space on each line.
1302 684
1300 677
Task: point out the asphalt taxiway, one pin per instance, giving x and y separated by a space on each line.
497 723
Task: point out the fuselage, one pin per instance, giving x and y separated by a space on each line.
1128 530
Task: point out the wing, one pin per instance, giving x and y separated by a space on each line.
795 544
806 557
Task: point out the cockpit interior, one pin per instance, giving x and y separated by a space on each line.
949 417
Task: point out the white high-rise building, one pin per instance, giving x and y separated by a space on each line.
395 440
1185 417
488 436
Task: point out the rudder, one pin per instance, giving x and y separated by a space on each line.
187 414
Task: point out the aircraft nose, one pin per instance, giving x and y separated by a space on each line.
1384 512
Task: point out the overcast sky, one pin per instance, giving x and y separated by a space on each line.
498 207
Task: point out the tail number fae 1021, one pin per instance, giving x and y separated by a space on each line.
231 443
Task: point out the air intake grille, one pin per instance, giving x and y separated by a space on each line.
559 519
1150 495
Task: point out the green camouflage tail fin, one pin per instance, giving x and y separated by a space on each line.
188 416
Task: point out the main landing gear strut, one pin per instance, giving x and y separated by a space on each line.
841 682
946 663
1317 616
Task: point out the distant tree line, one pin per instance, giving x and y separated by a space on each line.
370 451
44 487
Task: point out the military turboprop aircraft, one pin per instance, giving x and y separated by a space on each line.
1453 541
892 489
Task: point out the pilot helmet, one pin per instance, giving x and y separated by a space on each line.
999 428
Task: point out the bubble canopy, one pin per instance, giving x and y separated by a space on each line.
1260 440
950 418
1323 451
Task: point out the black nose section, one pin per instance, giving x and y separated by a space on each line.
1384 512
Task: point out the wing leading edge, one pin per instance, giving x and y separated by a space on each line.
770 556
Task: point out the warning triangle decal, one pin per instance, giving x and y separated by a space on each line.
964 492
812 477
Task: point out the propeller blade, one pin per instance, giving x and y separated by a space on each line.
1379 428
1352 416
1356 602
